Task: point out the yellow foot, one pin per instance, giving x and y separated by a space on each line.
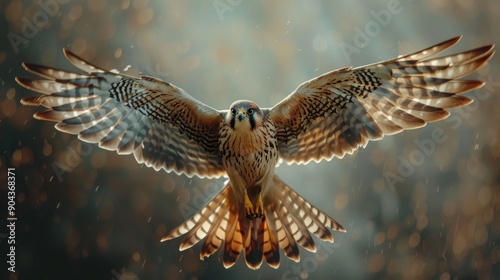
253 212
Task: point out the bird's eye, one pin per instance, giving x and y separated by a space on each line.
233 111
250 111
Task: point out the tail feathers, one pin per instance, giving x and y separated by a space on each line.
284 236
270 247
233 243
253 232
217 231
315 220
211 221
288 221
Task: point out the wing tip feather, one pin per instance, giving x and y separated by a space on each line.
165 238
32 101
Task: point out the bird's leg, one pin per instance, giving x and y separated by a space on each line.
252 212
248 207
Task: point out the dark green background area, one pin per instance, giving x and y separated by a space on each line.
415 205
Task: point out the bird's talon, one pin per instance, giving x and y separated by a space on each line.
249 208
250 216
252 212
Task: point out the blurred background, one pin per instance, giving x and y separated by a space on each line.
421 204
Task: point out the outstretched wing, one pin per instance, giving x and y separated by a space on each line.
162 125
338 112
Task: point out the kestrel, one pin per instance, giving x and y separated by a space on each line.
256 212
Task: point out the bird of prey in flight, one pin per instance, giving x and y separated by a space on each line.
256 212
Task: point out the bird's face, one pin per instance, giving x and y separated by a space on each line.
244 115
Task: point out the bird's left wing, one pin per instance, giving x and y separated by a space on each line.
162 125
340 111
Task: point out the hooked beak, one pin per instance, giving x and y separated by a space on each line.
241 115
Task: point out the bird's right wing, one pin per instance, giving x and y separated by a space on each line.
162 125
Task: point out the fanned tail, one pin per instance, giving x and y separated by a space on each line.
211 222
288 221
292 218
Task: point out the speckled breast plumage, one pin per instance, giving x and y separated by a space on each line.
249 156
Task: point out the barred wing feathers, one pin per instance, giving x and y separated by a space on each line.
340 111
162 125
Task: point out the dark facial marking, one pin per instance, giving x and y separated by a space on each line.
233 118
251 110
251 118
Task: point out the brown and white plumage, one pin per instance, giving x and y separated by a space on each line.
256 212
159 123
338 112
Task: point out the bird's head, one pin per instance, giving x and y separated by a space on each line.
244 115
